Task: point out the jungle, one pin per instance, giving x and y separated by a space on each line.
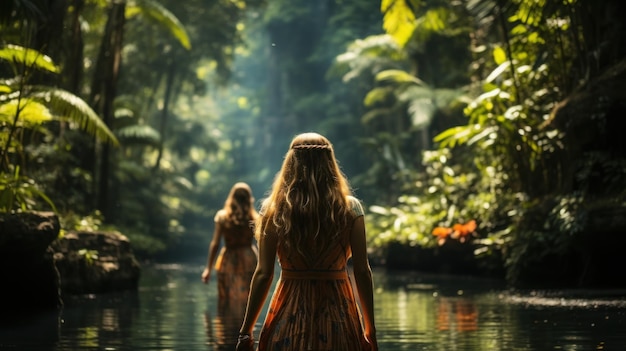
477 133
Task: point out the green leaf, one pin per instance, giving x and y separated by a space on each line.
519 29
499 56
66 104
398 76
31 112
377 95
534 38
434 20
498 71
484 134
28 57
159 14
421 112
448 133
398 20
139 134
5 89
452 136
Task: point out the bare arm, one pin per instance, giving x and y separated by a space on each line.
213 247
363 278
261 281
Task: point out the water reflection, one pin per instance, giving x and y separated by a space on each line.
420 312
223 329
174 311
456 313
89 321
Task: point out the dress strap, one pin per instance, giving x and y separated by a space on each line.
287 274
356 206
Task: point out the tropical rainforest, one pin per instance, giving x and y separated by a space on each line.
489 123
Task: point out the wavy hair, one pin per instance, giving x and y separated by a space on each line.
239 205
308 201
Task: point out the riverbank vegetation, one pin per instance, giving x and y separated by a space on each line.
489 124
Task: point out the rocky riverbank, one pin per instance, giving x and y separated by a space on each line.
38 267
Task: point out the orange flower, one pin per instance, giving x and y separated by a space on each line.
441 233
470 226
461 231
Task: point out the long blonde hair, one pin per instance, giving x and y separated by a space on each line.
239 205
309 197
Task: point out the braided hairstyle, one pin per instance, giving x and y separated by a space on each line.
308 201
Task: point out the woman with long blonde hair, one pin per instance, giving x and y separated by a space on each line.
238 257
314 225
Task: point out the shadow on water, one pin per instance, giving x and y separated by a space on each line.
32 331
173 310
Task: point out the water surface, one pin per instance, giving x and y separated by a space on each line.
173 310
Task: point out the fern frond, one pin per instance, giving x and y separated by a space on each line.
28 57
160 15
65 104
139 134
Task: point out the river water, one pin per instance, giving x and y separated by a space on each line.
173 310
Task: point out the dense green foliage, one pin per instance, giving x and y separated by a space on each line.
141 114
516 165
115 130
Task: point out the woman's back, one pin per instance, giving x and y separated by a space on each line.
234 234
236 261
313 225
330 255
313 307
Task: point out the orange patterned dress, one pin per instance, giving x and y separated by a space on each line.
313 306
236 261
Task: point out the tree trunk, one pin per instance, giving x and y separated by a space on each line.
169 86
103 95
75 56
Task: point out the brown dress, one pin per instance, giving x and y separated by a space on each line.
313 306
235 263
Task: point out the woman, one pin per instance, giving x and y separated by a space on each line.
314 225
238 258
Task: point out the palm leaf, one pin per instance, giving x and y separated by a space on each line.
369 55
31 112
377 95
139 134
72 107
408 93
159 14
421 112
433 21
398 20
398 76
453 136
28 57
